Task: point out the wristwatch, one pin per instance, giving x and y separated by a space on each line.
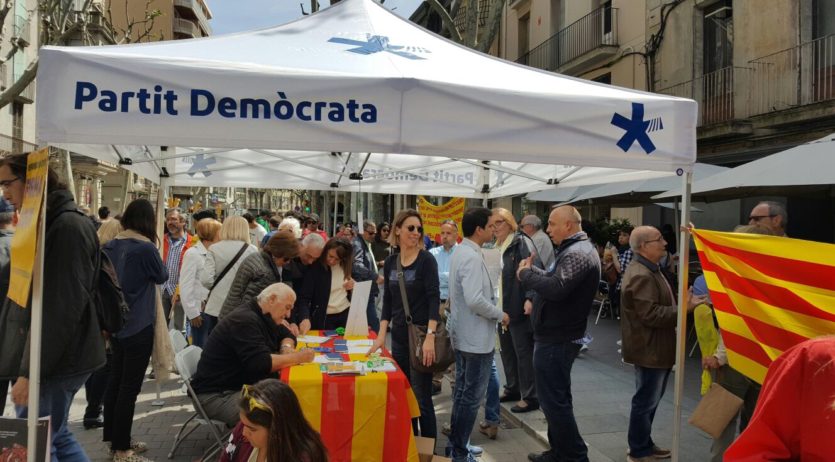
430 332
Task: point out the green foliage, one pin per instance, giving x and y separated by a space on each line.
604 230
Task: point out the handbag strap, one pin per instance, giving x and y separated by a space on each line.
228 267
402 283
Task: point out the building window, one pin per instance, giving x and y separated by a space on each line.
524 34
605 78
607 16
718 36
17 127
823 22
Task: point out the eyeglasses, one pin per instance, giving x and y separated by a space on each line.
371 232
253 403
659 239
499 222
411 229
751 218
6 183
384 230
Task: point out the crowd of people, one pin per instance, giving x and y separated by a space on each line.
277 277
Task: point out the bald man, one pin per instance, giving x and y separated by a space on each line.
648 325
770 214
564 295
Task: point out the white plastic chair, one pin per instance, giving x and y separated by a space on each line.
178 342
186 361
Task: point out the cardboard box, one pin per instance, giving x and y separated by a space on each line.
426 449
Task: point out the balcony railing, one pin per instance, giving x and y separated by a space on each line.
722 95
186 27
594 30
797 76
199 13
10 144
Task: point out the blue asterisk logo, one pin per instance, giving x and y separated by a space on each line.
201 164
637 129
379 43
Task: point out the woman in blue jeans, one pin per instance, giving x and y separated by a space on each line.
139 267
420 276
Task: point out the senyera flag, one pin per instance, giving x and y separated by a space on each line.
769 293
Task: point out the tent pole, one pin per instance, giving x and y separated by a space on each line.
681 342
36 332
335 211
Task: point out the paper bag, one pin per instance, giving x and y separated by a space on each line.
715 411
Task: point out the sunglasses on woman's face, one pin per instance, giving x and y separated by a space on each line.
411 229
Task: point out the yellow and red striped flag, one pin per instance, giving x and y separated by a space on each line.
770 293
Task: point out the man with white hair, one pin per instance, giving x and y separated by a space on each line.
532 226
649 314
241 350
309 251
770 214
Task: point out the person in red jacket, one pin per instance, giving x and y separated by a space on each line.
272 427
795 415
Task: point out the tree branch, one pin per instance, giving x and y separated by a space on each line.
472 23
446 19
8 95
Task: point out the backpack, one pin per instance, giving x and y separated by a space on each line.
111 307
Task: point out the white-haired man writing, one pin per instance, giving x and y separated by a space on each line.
242 350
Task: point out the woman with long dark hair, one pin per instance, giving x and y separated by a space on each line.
272 428
139 267
325 295
381 247
420 276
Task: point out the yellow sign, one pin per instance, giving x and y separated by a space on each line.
26 232
434 215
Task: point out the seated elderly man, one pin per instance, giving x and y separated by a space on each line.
250 344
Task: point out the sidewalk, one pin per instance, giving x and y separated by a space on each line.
602 389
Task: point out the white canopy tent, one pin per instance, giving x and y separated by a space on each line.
810 164
354 78
629 191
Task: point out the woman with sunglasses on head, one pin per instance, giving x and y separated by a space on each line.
325 295
420 271
272 428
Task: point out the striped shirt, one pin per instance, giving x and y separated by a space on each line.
172 263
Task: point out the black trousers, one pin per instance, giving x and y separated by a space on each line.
4 390
94 389
130 360
333 321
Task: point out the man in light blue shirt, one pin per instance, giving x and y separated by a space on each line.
473 314
442 254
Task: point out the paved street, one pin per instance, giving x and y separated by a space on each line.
602 386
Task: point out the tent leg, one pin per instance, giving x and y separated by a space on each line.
335 211
36 333
681 341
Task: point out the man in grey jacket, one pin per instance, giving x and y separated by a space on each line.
473 314
532 227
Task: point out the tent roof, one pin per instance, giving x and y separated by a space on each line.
810 164
414 92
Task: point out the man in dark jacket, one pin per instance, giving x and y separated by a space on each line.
242 350
563 300
365 269
6 233
75 347
648 325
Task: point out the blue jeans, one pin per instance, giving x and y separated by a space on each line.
371 313
421 384
472 374
552 370
56 397
491 401
199 335
650 384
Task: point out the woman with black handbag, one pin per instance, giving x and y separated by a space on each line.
420 280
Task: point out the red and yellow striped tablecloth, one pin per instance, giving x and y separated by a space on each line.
360 418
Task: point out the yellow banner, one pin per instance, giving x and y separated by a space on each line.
26 232
434 215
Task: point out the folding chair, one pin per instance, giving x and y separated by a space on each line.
178 342
186 361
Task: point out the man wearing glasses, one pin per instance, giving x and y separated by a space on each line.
241 350
648 324
365 269
770 214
